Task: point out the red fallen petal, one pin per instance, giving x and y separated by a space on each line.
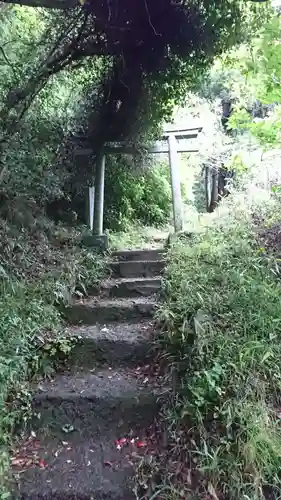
141 444
42 463
121 442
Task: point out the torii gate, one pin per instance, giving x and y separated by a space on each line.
171 143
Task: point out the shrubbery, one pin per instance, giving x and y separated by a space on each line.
30 338
143 196
222 317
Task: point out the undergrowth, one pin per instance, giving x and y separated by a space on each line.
222 339
36 275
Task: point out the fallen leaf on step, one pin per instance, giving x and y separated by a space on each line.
141 444
120 443
107 463
42 463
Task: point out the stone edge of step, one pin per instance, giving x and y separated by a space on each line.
102 383
135 255
130 333
97 302
115 344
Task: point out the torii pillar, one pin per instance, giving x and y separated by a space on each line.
175 183
98 239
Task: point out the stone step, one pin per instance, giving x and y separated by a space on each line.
77 469
137 268
96 310
139 255
94 402
115 344
130 287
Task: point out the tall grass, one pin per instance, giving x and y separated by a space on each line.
24 316
32 338
222 317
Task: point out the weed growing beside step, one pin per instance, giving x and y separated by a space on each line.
24 315
222 319
30 342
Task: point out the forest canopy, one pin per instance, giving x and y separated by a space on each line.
109 71
152 52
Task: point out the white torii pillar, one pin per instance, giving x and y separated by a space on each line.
99 196
175 183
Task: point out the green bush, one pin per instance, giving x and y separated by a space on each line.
143 196
24 316
32 342
223 330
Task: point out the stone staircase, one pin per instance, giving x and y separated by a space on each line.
103 396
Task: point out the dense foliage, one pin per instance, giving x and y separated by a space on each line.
259 65
221 316
36 274
40 162
150 64
222 337
143 196
119 83
250 78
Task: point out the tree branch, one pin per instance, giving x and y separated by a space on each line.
8 61
49 4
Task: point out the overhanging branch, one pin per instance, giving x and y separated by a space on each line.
49 4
